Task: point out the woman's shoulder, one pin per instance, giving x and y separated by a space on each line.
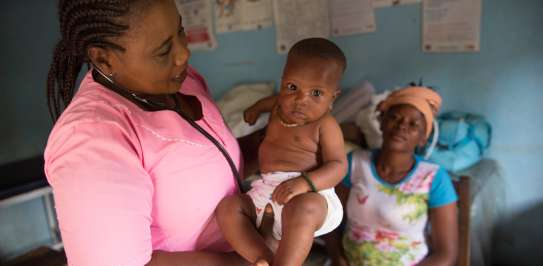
94 106
359 161
96 126
93 103
425 164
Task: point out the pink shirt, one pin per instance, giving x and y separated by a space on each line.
127 182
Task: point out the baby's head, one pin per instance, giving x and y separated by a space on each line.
310 81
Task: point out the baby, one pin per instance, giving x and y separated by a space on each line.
301 160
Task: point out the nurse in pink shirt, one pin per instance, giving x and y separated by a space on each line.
134 182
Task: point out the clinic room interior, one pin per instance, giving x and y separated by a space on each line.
483 57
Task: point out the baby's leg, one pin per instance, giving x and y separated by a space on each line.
236 216
302 216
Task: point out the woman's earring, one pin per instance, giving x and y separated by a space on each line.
331 106
108 77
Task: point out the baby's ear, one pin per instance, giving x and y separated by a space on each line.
337 93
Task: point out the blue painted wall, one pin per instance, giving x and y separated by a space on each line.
502 82
29 31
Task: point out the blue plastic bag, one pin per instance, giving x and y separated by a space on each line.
463 139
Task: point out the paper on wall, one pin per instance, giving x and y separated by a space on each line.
238 15
299 19
196 16
389 3
451 25
351 17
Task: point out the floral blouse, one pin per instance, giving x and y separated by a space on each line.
386 222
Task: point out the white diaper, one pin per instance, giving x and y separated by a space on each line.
262 189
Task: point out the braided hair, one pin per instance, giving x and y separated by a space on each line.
83 24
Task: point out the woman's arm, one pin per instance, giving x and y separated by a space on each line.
444 236
103 197
249 149
203 258
104 200
162 258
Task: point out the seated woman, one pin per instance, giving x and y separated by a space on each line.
393 193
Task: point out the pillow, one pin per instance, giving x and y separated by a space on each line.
348 104
368 121
239 98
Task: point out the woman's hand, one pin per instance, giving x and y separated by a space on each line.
290 189
251 114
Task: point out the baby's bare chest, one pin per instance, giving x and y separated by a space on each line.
305 138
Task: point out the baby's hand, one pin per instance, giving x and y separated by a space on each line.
289 189
251 115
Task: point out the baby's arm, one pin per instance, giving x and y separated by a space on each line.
263 105
334 161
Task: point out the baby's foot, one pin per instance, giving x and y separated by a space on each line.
261 262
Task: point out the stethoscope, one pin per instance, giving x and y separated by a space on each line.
150 105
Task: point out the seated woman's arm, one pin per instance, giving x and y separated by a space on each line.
444 236
443 218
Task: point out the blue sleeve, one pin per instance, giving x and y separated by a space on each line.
347 178
442 191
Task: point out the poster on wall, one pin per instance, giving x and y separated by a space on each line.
239 15
451 25
197 21
299 19
389 3
350 17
